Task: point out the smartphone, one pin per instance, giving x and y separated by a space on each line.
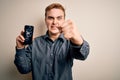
28 34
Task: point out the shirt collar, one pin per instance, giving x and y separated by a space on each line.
61 37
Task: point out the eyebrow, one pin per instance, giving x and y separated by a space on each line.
50 17
56 17
59 16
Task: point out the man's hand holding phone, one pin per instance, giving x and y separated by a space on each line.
25 37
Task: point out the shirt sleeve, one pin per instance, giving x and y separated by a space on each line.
80 52
23 60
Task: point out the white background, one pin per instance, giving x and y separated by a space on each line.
97 20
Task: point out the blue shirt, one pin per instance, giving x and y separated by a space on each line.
50 60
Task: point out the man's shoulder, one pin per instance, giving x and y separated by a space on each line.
39 40
39 37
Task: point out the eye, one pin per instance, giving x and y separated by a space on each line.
50 17
59 17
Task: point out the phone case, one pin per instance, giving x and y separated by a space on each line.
28 34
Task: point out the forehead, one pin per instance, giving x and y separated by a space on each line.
55 12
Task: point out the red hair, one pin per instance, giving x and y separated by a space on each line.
54 5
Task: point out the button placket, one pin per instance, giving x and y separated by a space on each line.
51 58
51 61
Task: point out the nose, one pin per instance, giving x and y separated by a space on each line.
55 21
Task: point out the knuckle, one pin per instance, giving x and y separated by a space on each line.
70 21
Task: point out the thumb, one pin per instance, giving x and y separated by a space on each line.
60 29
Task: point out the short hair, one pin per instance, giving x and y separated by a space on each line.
56 6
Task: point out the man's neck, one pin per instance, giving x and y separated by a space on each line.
54 36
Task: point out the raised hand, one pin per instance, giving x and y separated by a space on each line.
70 31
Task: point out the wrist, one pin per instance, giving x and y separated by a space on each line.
20 47
78 40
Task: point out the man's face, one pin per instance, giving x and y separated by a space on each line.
54 19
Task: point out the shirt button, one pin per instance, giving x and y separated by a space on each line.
51 54
50 64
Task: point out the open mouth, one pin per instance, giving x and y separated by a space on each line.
54 27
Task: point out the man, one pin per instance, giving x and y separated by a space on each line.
50 57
